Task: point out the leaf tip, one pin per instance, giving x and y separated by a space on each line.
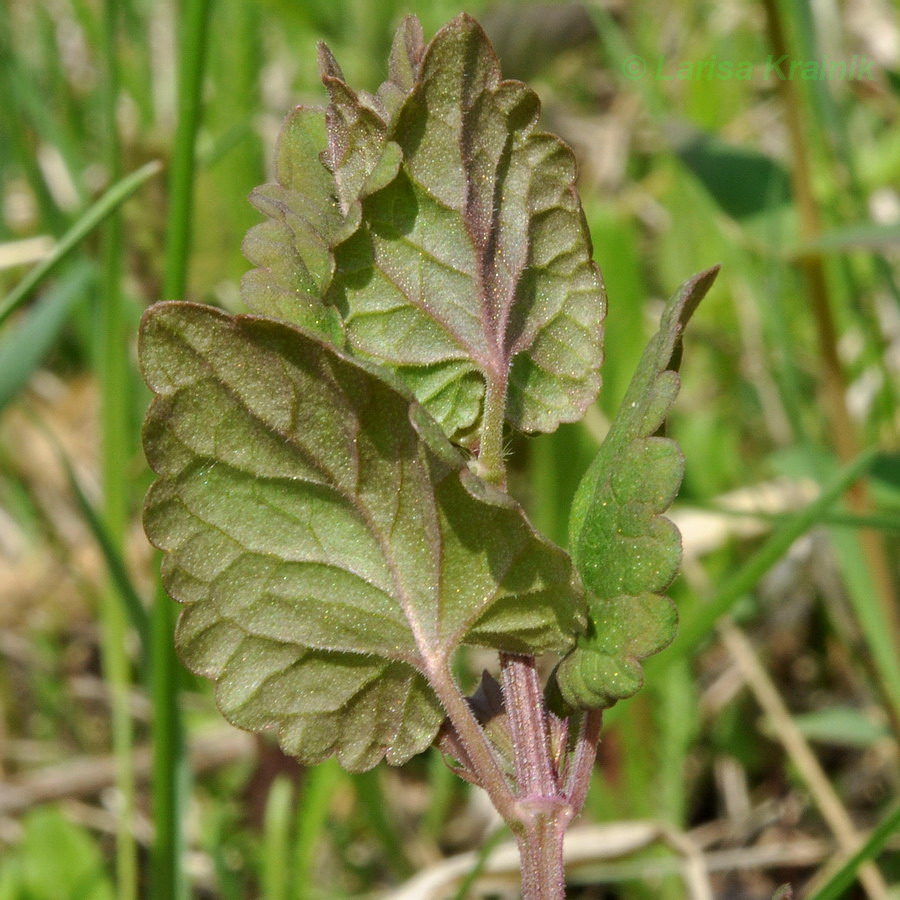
696 288
409 46
328 65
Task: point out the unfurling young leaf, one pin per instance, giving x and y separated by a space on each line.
626 552
440 230
330 545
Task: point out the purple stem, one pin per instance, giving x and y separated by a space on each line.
543 811
578 779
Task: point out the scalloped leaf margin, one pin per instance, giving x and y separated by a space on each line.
625 550
330 546
433 227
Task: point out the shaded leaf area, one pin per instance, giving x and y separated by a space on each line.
625 550
435 228
330 545
743 183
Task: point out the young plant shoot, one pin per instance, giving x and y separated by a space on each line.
331 499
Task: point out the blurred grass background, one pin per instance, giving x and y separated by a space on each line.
766 740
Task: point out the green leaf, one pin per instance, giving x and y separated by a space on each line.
75 868
293 249
841 726
330 545
626 552
445 230
743 183
403 67
24 345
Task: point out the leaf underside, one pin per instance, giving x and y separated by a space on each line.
625 550
330 545
434 228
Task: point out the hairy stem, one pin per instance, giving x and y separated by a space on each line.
578 778
541 850
543 812
524 701
492 466
480 755
540 811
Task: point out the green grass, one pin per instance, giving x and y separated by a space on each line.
131 135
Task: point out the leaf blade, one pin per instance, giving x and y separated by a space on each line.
310 509
498 236
625 550
464 257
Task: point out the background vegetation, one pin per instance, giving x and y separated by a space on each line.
765 744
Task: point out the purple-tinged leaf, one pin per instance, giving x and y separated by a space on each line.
462 259
404 65
331 547
293 248
358 155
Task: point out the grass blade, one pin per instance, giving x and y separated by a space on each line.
24 347
696 628
484 853
192 52
113 371
319 788
90 220
374 806
117 569
276 863
845 876
170 762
